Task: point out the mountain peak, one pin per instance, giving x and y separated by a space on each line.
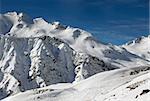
138 40
58 25
140 47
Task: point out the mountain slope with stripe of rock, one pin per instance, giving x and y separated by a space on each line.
62 61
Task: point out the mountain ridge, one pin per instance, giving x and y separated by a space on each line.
77 39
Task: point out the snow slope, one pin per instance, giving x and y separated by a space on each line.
116 85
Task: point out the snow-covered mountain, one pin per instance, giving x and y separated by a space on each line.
29 63
35 54
140 47
20 25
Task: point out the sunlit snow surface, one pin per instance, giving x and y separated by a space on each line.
116 85
68 64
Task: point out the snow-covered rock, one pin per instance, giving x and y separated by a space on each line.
117 85
29 63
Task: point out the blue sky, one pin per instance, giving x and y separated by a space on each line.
110 21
